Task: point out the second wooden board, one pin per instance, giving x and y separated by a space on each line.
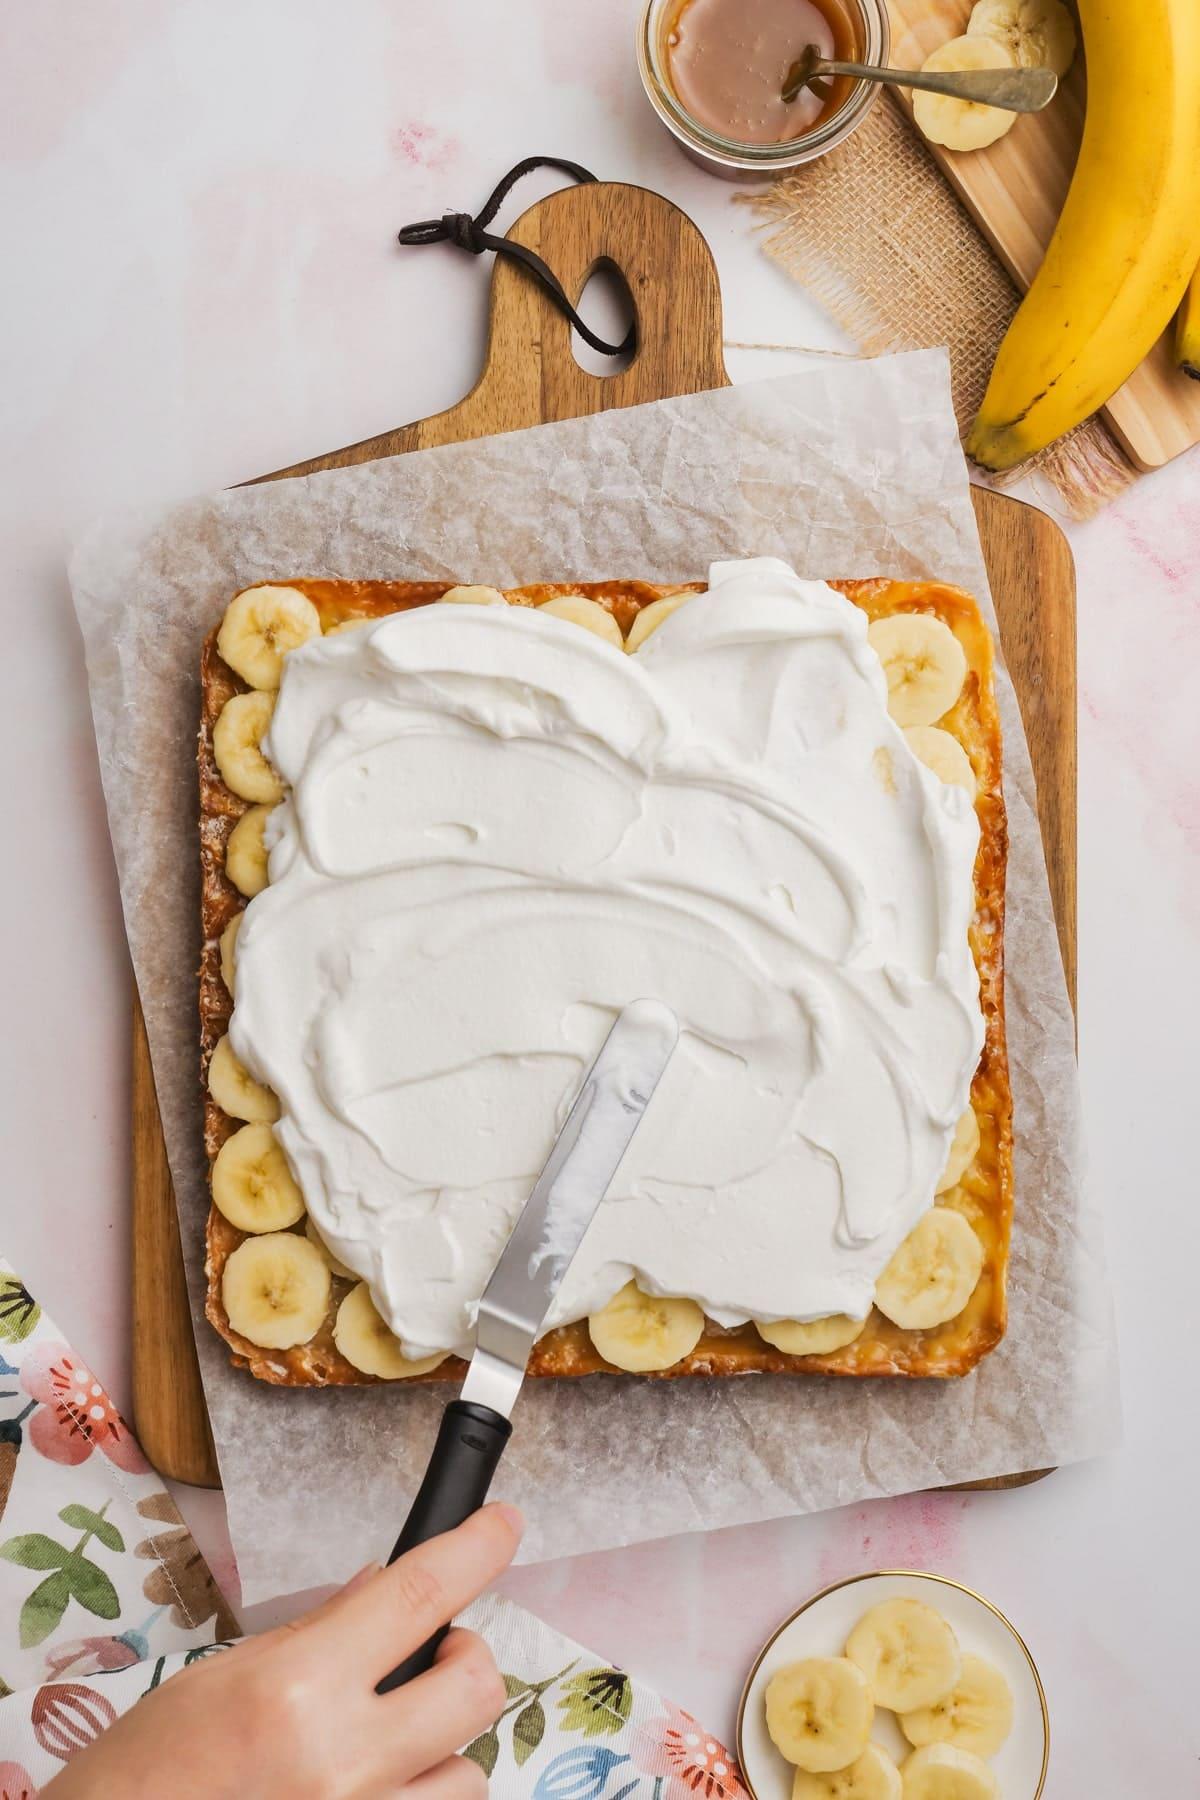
1014 190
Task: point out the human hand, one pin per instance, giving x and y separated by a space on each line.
294 1713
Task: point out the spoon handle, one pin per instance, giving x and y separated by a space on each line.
1015 90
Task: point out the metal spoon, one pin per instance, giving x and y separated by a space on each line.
1015 90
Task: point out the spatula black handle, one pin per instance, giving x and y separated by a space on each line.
469 1446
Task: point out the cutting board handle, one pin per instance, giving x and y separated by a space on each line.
530 373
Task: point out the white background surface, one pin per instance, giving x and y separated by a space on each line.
197 208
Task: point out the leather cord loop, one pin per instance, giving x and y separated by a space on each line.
471 233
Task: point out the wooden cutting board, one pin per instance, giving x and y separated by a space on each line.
530 376
1014 190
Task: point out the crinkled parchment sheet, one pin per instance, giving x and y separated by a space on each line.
847 469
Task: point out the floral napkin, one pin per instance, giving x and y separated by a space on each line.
103 1595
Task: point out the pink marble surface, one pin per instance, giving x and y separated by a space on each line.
197 204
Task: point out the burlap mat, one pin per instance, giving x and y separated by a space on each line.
881 241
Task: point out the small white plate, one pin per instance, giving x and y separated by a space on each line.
821 1627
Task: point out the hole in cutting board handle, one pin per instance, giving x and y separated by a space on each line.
606 303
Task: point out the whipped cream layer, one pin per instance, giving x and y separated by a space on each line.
499 831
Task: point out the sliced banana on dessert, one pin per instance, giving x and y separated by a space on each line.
260 626
1039 33
641 1332
246 852
348 625
276 1290
976 1715
963 124
336 1265
227 944
933 1274
366 1342
924 663
652 616
941 751
819 1713
907 1653
466 595
579 610
235 1090
940 1772
871 1776
812 1337
252 1184
964 1148
237 747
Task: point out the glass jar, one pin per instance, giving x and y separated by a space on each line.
737 161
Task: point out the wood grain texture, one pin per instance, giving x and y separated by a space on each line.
1014 191
530 377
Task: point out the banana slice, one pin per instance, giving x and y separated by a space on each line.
252 1184
872 1776
819 1713
641 1332
1039 33
365 1341
588 613
473 596
976 1715
235 1090
237 747
963 124
907 1653
940 751
276 1290
260 626
932 1275
924 663
246 853
940 1772
814 1337
652 616
964 1148
336 1265
348 625
228 948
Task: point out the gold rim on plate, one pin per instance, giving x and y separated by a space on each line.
905 1575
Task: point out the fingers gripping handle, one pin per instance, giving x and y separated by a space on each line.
469 1446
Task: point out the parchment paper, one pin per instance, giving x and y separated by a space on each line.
845 469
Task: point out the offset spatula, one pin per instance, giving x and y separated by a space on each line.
475 1427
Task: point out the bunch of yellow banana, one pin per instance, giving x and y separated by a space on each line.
1128 241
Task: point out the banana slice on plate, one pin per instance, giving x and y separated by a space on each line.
276 1290
871 1776
941 1772
260 626
976 1715
466 595
964 1148
941 751
907 1654
652 616
237 747
246 852
812 1337
932 1275
819 1713
1039 33
252 1184
366 1342
235 1090
336 1265
924 663
963 124
579 610
642 1332
228 948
